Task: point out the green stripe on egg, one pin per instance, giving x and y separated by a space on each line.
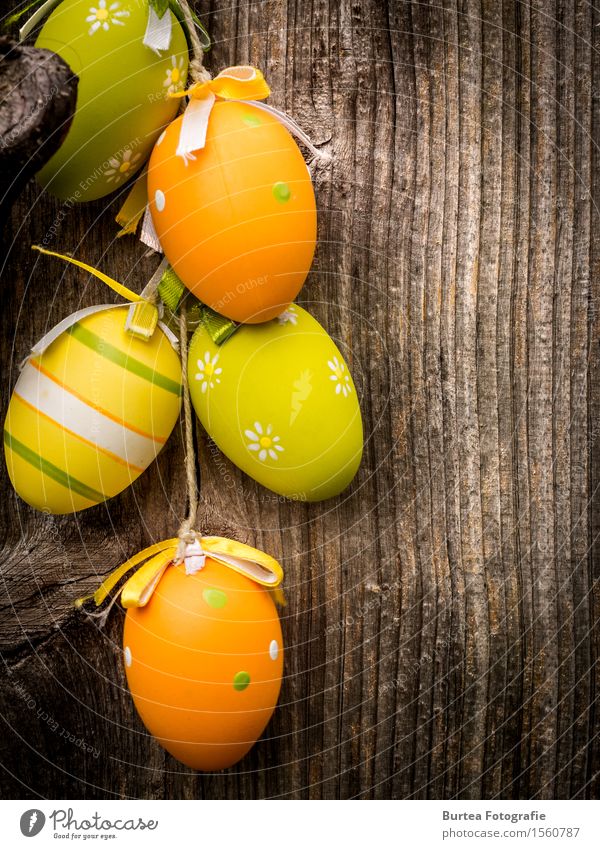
120 358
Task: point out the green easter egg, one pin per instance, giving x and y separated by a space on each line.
122 98
278 399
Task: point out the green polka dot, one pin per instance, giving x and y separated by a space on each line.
251 120
282 192
241 681
215 598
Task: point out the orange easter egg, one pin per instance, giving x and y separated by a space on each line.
204 661
238 224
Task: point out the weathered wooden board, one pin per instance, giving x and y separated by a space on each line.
441 628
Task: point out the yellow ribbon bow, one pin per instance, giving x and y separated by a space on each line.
240 82
143 314
154 560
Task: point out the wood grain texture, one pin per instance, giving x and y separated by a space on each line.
442 621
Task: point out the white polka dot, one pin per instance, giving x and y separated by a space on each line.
274 650
161 138
127 654
159 200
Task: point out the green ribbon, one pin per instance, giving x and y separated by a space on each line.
42 9
16 17
171 290
160 6
217 326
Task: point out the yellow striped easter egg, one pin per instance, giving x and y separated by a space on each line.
90 412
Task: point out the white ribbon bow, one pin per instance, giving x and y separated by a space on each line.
194 126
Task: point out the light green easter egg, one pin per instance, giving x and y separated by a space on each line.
278 399
122 97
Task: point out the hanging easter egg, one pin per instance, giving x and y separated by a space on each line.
123 98
279 401
236 218
204 660
91 409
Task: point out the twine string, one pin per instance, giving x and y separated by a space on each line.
101 615
186 533
198 72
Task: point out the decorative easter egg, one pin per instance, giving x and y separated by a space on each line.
204 661
279 401
122 101
238 222
90 411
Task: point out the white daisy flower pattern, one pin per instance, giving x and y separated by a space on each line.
288 316
104 16
174 77
120 168
340 376
208 372
263 441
